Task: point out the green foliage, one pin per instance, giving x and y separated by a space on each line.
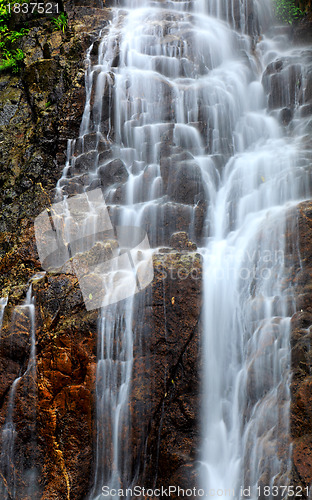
287 11
10 35
4 12
11 57
11 60
60 22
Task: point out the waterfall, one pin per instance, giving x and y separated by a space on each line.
178 134
25 383
249 302
3 303
114 367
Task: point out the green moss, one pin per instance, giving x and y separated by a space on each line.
287 11
11 60
11 57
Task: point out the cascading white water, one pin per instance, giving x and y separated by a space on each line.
248 305
113 377
177 93
3 303
246 375
7 449
8 486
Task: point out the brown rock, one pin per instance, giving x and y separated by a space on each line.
301 355
180 241
303 458
166 377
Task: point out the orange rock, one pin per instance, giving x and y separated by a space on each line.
62 361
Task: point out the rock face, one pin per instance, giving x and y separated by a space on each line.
298 104
302 32
54 408
166 373
39 111
288 83
54 413
301 418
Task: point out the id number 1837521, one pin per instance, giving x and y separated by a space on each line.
31 7
283 491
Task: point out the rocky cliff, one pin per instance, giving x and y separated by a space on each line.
54 410
41 109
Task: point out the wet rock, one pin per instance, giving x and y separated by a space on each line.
303 459
43 81
301 319
99 253
308 86
163 220
288 83
302 31
185 184
112 172
105 155
306 110
181 176
285 116
88 142
84 163
101 100
301 354
61 401
9 370
164 407
65 384
281 75
180 241
41 109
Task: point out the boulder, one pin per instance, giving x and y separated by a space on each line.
113 172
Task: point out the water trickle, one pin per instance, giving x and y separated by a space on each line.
113 377
11 472
3 303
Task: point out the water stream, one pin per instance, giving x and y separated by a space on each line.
175 125
22 315
3 303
